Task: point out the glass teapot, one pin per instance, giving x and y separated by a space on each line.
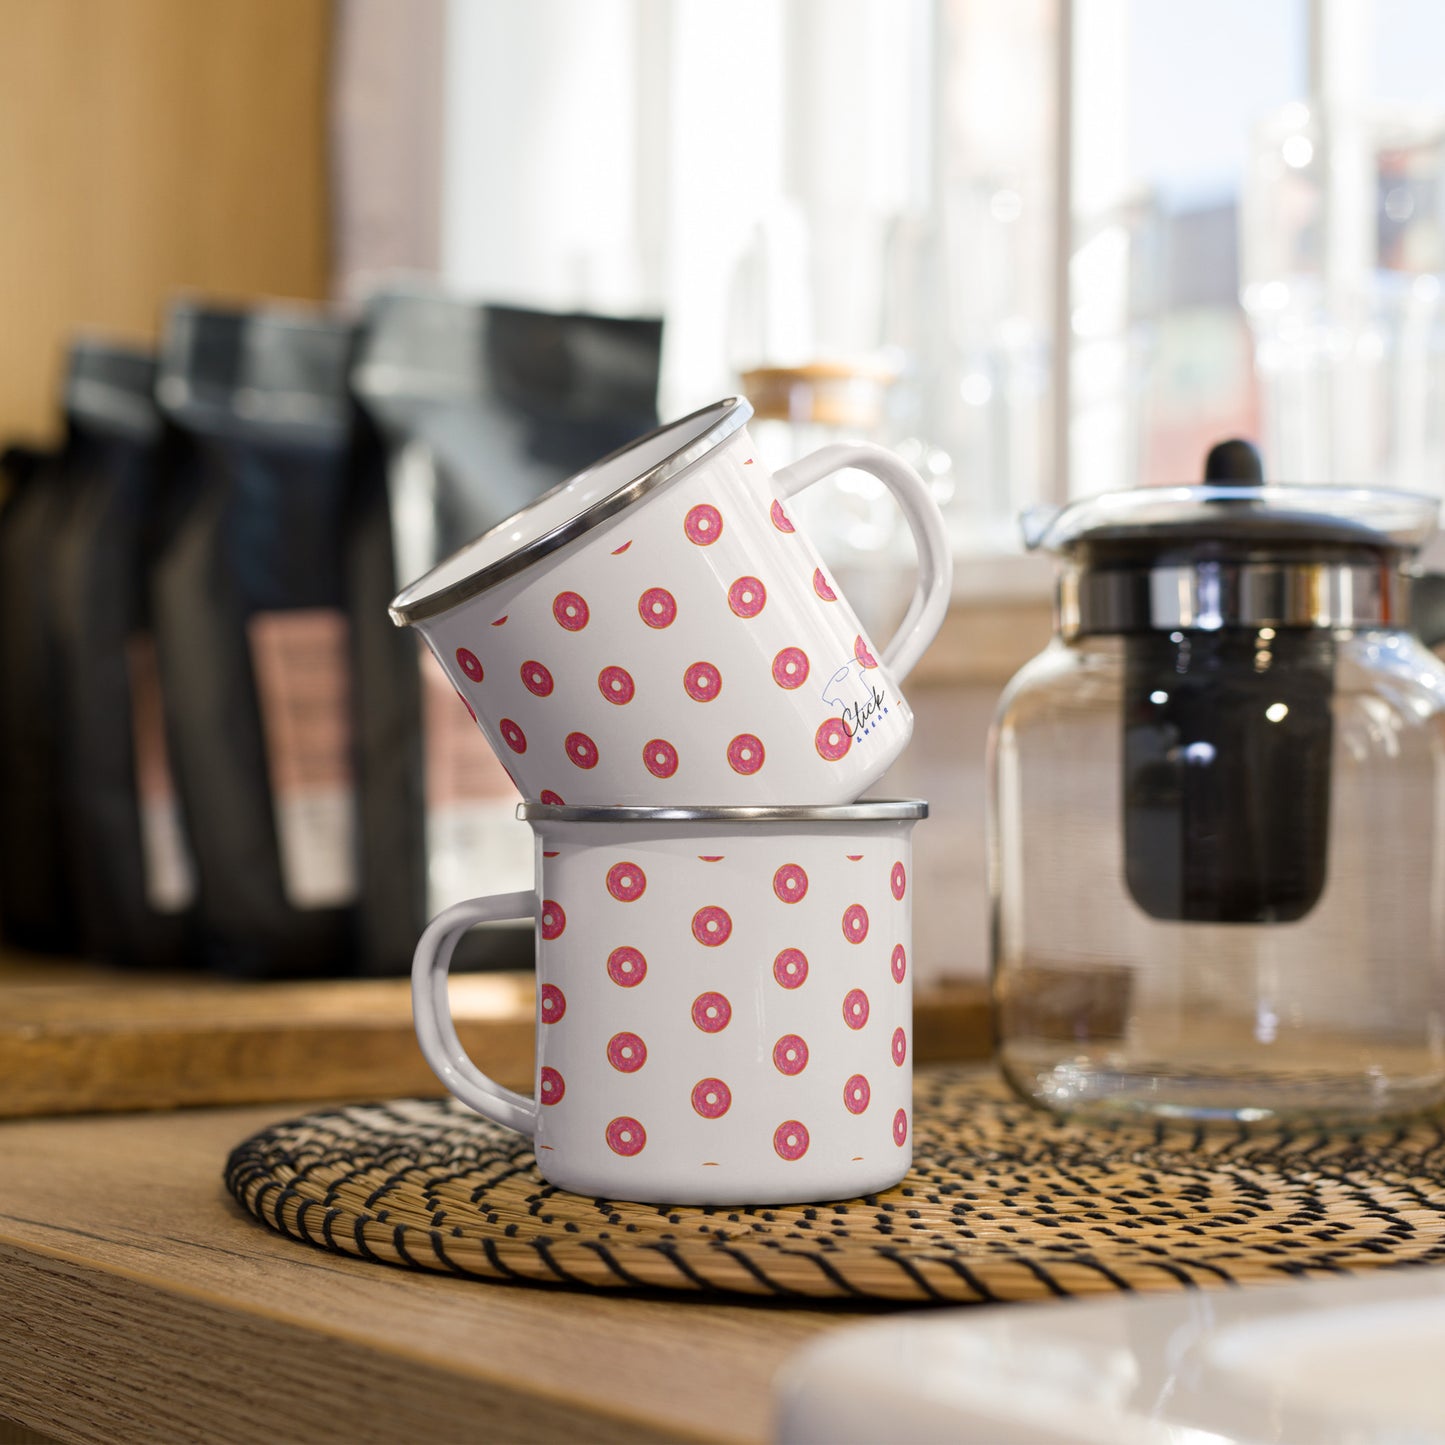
1217 810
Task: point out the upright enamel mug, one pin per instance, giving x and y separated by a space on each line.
724 1002
655 630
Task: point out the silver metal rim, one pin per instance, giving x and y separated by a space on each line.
416 604
877 811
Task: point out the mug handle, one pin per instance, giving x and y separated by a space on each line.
931 595
431 1009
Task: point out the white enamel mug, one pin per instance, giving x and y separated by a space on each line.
655 630
724 1002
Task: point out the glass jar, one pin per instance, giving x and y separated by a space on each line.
1217 814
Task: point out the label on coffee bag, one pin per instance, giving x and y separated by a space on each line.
169 869
303 687
475 841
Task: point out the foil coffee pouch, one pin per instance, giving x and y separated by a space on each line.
130 857
465 413
252 633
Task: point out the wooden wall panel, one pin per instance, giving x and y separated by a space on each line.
148 146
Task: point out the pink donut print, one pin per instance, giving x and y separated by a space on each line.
747 597
790 883
554 919
466 704
900 1128
552 799
820 586
790 968
469 663
899 963
833 740
657 607
711 1012
703 525
554 1003
553 1087
512 735
625 1136
626 966
898 880
790 1055
860 651
900 1047
855 923
571 611
536 679
616 685
712 926
746 754
855 1008
702 682
856 1094
780 518
790 1140
626 882
581 750
626 1053
711 1098
790 668
659 757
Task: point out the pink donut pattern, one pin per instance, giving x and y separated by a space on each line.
833 740
900 1047
856 1094
780 518
711 1098
702 682
747 597
626 1053
712 926
553 1087
855 1008
625 1136
616 685
898 880
657 607
790 668
618 551
512 735
553 800
659 757
554 919
860 651
626 966
554 1003
899 963
571 611
469 663
581 750
855 923
746 754
790 883
900 1128
790 1055
703 525
790 968
626 882
711 1012
466 704
536 679
820 586
790 1140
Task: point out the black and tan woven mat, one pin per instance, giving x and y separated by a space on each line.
1003 1203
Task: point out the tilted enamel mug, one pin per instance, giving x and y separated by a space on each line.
724 1002
656 630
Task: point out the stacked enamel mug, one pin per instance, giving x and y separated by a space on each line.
692 711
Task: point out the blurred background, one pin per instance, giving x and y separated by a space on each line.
289 284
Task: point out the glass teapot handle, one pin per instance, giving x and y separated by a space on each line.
1427 608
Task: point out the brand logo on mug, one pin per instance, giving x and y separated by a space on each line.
861 703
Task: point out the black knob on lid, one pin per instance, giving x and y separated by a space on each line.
1235 460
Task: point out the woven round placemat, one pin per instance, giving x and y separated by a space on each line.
1004 1203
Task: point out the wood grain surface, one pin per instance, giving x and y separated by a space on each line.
139 1303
